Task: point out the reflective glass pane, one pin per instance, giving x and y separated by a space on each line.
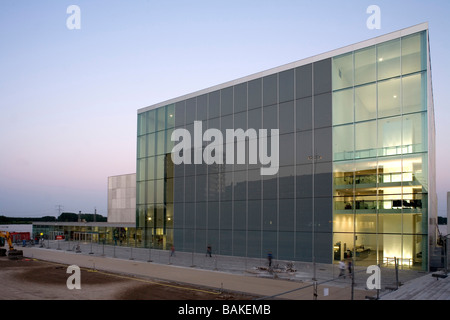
270 90
151 121
287 120
388 59
322 110
343 142
343 106
322 76
389 98
255 93
214 104
226 101
303 81
191 107
414 53
365 65
343 71
389 136
180 112
366 102
202 107
170 120
366 139
303 114
150 168
142 123
414 92
414 133
286 79
160 142
161 118
240 97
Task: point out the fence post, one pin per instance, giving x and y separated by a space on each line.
396 272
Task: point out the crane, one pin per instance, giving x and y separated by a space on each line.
13 253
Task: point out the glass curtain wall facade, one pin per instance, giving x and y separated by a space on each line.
380 152
232 207
353 162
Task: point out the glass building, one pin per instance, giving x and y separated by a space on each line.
356 160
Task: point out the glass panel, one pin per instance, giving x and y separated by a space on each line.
151 125
191 106
140 192
303 81
255 93
323 144
365 102
159 162
343 177
414 92
150 191
214 104
304 181
366 139
270 118
142 123
142 146
322 76
343 106
322 110
415 133
389 136
161 118
180 111
240 120
414 53
286 79
343 142
160 142
304 147
304 114
365 65
255 119
240 97
169 143
287 149
150 170
170 120
270 90
415 172
389 99
366 176
343 71
388 59
226 101
366 244
202 107
287 182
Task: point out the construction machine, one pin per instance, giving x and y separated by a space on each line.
12 253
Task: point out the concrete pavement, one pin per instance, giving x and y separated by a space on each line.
219 272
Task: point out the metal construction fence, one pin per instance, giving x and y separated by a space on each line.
392 274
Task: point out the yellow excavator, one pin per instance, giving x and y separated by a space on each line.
12 253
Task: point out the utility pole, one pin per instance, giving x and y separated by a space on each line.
59 208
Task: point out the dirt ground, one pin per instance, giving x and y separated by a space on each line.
31 279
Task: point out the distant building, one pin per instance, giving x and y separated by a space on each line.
122 198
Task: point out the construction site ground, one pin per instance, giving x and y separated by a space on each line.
121 274
34 279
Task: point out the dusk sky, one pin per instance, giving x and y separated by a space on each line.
69 97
